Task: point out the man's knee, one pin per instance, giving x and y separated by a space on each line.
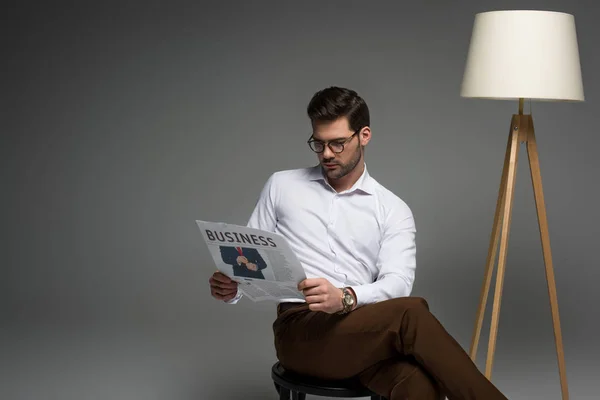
413 303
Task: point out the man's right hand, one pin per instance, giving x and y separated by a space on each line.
222 287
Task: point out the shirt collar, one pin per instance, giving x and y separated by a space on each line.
364 183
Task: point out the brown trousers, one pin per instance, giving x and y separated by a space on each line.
396 348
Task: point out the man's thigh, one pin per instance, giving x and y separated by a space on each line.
340 346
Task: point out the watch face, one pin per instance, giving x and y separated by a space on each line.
349 298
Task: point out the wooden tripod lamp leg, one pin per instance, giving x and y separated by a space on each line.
536 179
491 256
506 219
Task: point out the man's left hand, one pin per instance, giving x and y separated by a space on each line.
321 295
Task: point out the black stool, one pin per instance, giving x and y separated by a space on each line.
293 386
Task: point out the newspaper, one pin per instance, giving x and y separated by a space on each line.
262 262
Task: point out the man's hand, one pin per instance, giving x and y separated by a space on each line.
241 260
222 287
252 267
321 295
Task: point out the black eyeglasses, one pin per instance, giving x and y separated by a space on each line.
336 146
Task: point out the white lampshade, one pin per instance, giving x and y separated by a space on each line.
523 54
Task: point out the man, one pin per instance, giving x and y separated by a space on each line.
356 242
246 261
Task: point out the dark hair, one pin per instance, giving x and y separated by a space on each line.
335 102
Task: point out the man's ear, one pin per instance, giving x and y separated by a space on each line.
365 136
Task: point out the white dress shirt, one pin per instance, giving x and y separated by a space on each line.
363 237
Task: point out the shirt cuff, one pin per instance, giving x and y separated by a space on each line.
237 297
363 295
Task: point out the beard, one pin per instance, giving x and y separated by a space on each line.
345 168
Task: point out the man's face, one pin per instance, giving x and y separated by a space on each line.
338 132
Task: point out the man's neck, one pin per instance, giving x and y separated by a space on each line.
346 182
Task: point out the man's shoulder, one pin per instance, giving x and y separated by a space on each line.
389 201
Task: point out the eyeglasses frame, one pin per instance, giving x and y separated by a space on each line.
328 144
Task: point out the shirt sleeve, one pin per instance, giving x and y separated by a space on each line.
263 217
396 261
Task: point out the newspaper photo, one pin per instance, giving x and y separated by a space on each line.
262 262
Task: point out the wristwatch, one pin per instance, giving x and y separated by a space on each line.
347 301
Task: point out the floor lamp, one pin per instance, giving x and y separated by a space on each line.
518 55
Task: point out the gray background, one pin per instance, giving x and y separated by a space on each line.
123 123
